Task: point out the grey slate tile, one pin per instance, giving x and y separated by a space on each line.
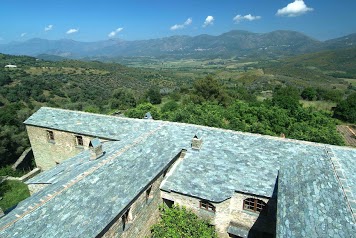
309 196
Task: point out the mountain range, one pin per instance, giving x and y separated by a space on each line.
236 43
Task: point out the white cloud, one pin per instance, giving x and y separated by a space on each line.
48 28
23 34
208 21
113 33
249 17
181 26
188 21
296 8
176 27
71 31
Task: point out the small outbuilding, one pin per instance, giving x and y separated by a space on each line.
10 66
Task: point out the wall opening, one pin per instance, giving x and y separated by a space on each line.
149 195
126 219
255 205
79 140
168 203
207 206
50 136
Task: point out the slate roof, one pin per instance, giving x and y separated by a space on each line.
231 161
228 161
102 126
311 202
86 195
344 164
237 230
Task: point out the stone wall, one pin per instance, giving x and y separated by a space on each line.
34 188
48 153
229 211
143 213
24 161
260 223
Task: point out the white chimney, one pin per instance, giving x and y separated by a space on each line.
197 143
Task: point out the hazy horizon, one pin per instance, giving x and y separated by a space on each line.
141 20
100 40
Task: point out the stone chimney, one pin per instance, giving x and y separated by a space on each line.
96 149
148 116
197 143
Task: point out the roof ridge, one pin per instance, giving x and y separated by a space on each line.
339 175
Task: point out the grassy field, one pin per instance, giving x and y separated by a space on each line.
319 105
12 192
352 81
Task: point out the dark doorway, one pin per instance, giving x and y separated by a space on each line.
168 203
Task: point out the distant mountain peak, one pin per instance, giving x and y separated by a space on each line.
229 44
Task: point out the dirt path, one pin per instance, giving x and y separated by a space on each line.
348 133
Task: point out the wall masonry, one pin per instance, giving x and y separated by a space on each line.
230 211
47 152
34 188
144 213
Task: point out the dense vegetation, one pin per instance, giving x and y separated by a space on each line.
209 104
178 222
12 192
346 109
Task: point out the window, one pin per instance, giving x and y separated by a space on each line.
79 140
255 205
149 195
126 219
50 135
207 206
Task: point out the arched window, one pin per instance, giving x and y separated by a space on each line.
207 206
255 205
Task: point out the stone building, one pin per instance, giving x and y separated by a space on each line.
105 176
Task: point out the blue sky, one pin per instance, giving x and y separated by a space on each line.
93 20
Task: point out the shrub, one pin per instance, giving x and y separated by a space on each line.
179 222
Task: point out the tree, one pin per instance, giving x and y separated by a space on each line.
309 94
123 99
287 98
141 110
179 222
154 96
169 106
210 89
4 79
346 109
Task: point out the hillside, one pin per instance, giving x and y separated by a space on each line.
327 68
339 63
77 85
235 43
